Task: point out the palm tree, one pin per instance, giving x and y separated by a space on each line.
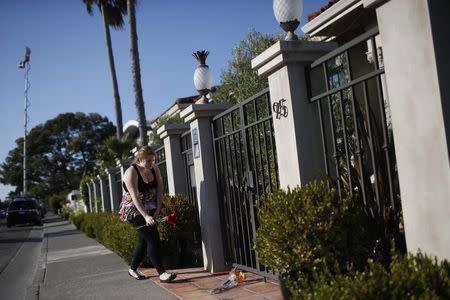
113 149
112 12
136 70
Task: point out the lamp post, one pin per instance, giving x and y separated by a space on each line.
202 76
288 14
25 64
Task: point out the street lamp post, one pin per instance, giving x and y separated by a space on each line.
25 64
288 14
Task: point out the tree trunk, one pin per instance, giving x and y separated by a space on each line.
112 67
136 70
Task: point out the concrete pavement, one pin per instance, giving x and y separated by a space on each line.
73 266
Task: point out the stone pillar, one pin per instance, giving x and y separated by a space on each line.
90 196
96 192
176 173
114 194
199 117
104 192
123 166
416 46
297 133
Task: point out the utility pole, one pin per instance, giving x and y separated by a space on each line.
25 64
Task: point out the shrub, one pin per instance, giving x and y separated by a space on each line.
77 219
106 228
407 277
121 237
310 228
187 219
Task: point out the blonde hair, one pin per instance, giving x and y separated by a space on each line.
143 152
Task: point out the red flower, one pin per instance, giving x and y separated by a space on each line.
171 218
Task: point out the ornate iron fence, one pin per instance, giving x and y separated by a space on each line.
348 87
247 172
186 152
188 159
161 163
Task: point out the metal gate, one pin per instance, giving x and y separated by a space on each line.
188 159
246 166
161 163
348 86
191 189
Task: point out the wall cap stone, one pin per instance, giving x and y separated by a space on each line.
172 129
286 52
196 111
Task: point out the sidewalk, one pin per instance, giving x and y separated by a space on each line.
195 283
74 266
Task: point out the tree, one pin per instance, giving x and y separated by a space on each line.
112 12
61 152
136 70
239 82
113 149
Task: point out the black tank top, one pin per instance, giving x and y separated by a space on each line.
142 185
147 191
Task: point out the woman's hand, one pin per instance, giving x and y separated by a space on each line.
149 220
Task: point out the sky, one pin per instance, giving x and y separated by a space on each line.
69 65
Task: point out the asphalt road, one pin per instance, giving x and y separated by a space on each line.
20 248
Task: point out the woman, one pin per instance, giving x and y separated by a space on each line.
143 184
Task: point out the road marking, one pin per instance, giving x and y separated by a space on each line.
71 254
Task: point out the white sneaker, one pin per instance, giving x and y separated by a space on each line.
167 277
136 274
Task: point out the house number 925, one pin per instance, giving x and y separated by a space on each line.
280 109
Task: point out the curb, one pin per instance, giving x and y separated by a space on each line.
41 268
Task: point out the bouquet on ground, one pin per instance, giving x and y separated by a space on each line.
235 278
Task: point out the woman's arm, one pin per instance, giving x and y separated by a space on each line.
159 191
131 181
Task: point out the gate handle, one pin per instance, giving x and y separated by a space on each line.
247 188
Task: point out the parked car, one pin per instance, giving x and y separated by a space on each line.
2 213
22 211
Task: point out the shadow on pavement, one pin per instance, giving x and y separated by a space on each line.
20 228
57 225
62 233
21 240
52 219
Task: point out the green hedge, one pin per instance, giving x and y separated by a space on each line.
323 248
121 238
309 228
187 218
106 228
408 277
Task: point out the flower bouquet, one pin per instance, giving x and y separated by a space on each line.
170 218
235 277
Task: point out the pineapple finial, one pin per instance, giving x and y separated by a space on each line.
201 56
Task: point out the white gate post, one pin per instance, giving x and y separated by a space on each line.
296 127
90 195
113 193
96 192
176 174
199 117
415 43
